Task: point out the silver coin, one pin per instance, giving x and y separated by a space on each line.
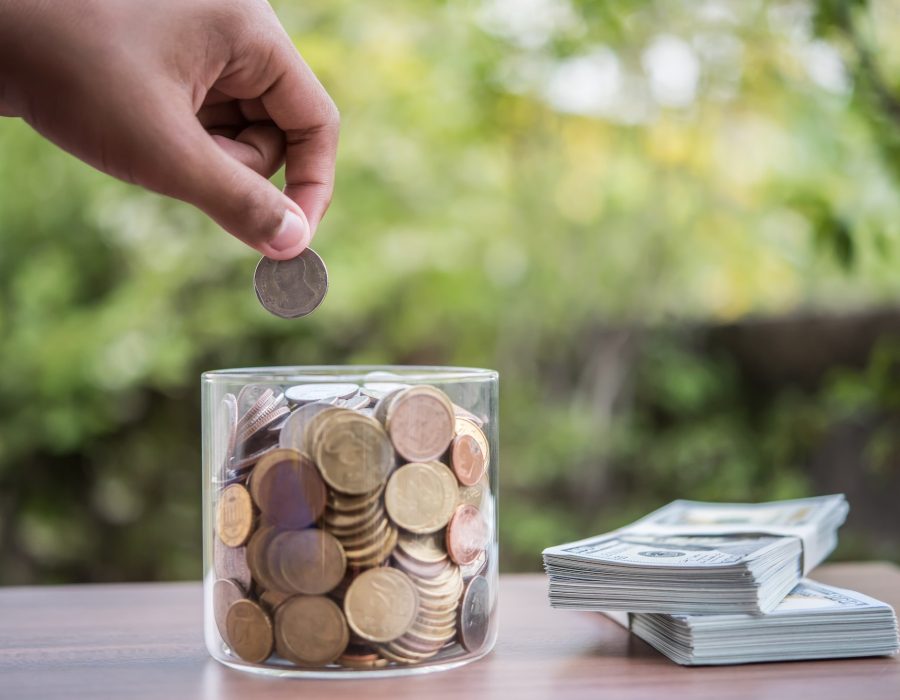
307 393
354 403
293 430
291 288
250 397
227 432
474 614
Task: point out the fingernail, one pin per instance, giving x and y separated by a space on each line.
293 232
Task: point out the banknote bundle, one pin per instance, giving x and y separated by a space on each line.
814 621
694 557
723 583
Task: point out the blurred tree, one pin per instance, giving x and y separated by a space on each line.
550 187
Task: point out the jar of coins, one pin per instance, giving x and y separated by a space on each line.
350 518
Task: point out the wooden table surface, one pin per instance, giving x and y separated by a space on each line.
145 641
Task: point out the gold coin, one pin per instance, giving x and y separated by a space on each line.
288 490
421 497
421 423
370 534
351 504
342 520
234 515
373 556
353 452
363 660
428 549
381 604
475 495
249 631
310 631
307 561
225 592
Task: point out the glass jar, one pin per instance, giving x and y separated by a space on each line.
349 518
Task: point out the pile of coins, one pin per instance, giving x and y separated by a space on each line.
352 525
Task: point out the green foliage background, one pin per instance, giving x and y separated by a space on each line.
490 210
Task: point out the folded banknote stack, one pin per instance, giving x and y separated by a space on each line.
710 583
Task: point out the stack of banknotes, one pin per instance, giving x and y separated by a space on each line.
710 583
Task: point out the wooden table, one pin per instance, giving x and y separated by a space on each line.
144 641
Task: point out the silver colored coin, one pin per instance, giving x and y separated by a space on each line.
291 288
354 403
474 614
226 440
292 432
250 397
307 393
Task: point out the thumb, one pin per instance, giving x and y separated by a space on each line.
242 201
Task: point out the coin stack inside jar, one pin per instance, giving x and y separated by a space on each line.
352 525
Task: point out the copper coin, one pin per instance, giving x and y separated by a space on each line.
421 423
258 559
249 631
308 561
225 593
467 460
474 614
231 562
353 452
310 631
381 604
270 600
291 288
464 426
466 535
288 490
234 515
421 497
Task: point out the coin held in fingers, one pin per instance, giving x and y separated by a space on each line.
291 288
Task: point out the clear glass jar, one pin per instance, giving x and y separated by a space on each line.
350 518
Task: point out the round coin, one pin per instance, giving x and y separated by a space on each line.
293 432
428 549
421 497
249 631
307 393
234 515
474 614
231 562
352 451
466 426
421 423
308 561
381 604
225 593
288 490
310 630
291 288
467 459
466 535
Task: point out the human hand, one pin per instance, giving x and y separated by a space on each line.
201 100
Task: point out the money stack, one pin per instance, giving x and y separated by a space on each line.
694 557
814 621
708 583
352 525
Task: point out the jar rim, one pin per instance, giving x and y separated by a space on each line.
326 374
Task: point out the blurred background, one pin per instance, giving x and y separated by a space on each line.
672 225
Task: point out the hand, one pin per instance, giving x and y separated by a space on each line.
201 100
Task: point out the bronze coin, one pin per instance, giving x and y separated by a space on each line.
353 452
310 631
466 535
234 515
258 559
464 426
249 631
475 495
474 614
270 600
381 604
421 423
311 561
467 460
225 592
421 497
288 490
231 562
353 504
374 555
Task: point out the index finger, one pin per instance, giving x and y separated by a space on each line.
300 106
